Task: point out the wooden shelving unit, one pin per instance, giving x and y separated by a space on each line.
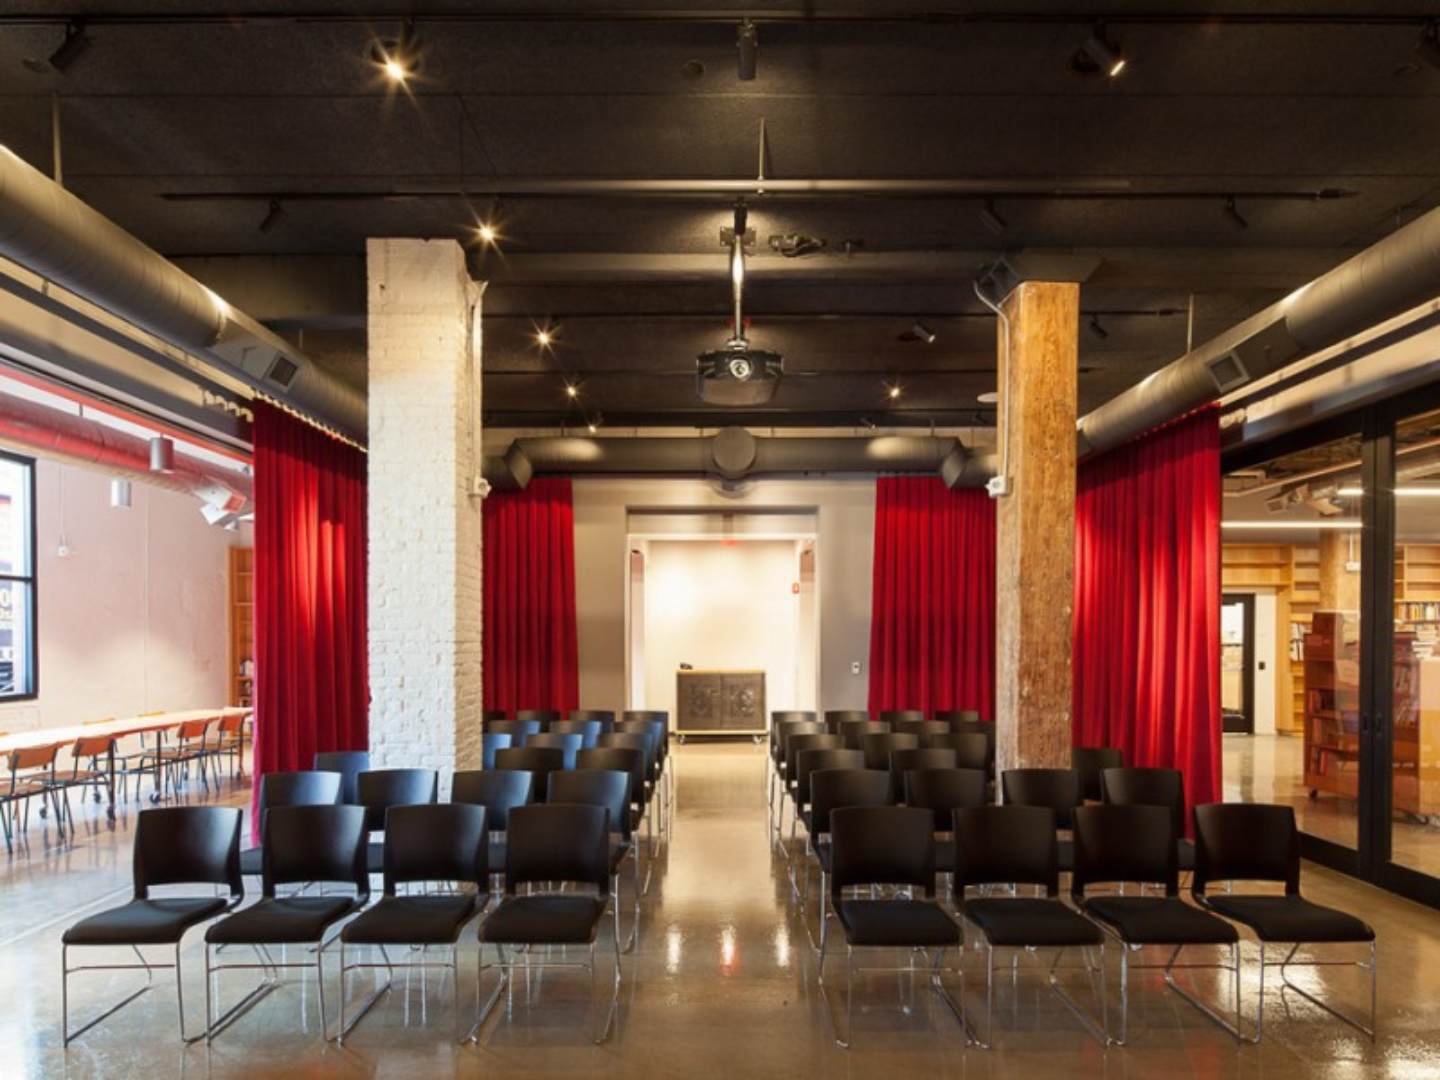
1293 571
1332 707
242 626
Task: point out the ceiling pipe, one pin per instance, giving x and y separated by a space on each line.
735 454
73 440
49 231
1385 280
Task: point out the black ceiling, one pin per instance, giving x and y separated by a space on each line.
183 122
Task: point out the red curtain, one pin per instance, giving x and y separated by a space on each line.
311 678
530 651
1147 602
932 615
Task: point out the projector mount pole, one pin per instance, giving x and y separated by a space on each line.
737 273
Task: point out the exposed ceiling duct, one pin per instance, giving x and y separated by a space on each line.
1383 281
735 454
74 440
52 233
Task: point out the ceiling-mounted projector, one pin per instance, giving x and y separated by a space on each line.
738 374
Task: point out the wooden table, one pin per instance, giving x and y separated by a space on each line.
116 729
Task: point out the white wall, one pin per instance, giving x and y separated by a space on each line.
135 618
723 606
844 510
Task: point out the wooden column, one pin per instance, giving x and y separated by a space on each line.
1339 588
1035 525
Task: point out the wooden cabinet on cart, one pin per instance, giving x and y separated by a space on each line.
720 703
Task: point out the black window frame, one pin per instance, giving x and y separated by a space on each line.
31 580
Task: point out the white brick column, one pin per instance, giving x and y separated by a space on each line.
425 527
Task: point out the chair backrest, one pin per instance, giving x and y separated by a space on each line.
972 749
92 746
903 761
943 791
627 759
646 714
1246 842
308 788
797 744
831 789
349 764
588 730
922 728
1089 761
187 845
492 714
786 729
539 761
518 730
896 717
1116 844
1057 789
781 716
191 731
807 762
545 716
854 731
567 842
1002 845
323 844
878 746
33 757
490 742
628 740
881 845
1134 785
605 716
436 842
568 743
839 716
380 789
498 790
654 729
957 716
609 788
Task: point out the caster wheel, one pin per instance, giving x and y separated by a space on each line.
155 797
682 739
44 812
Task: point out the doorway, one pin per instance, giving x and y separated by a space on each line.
1237 663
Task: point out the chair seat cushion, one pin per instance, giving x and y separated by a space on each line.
414 920
281 920
1160 920
1289 918
899 923
554 918
144 922
1023 920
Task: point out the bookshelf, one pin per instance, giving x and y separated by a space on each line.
1332 705
242 626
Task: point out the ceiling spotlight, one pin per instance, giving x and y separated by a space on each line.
892 390
1428 47
162 454
594 423
1096 329
990 219
545 335
487 232
747 48
1234 214
69 52
921 332
1098 55
272 218
398 57
572 391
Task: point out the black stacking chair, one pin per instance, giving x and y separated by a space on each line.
538 761
611 789
903 761
853 731
349 764
320 844
780 735
1125 845
493 714
957 716
499 791
518 730
896 717
569 743
796 744
942 792
490 743
438 846
1132 785
551 846
831 789
1089 762
972 749
1256 842
605 716
1013 846
1055 789
623 758
880 745
835 719
174 845
925 729
782 716
978 727
380 789
545 717
588 729
308 788
654 725
809 762
886 846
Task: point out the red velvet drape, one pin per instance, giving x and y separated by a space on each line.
1147 602
530 652
311 676
932 616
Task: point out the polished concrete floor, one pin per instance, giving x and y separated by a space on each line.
722 984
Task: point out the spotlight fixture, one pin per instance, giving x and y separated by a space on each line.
162 454
572 391
546 335
747 48
920 332
398 58
272 218
67 54
1428 47
120 494
1098 55
1231 212
595 423
990 219
1098 331
892 390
